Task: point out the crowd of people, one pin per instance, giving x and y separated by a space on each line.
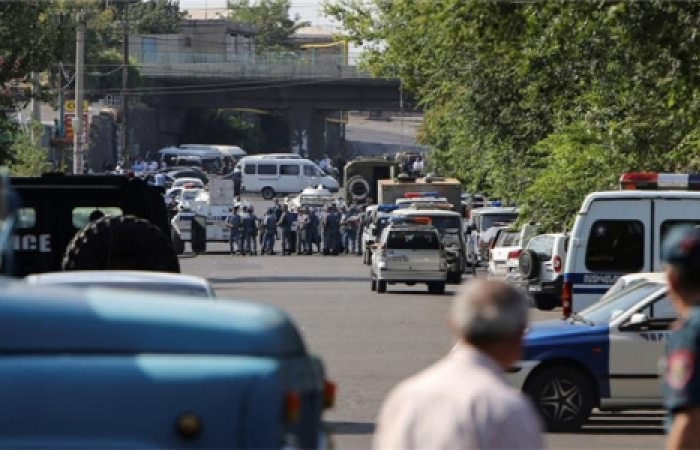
335 230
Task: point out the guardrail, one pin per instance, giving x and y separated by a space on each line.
271 66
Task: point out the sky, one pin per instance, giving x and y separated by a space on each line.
309 10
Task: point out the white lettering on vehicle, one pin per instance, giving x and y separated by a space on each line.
594 278
30 242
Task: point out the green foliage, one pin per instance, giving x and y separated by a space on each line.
157 16
542 103
271 18
28 157
220 127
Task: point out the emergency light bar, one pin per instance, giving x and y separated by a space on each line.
655 181
387 208
421 194
416 220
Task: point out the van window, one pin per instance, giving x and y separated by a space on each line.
81 216
615 246
309 171
668 225
543 245
267 169
413 240
26 218
289 169
249 169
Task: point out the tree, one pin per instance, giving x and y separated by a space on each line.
271 18
28 156
543 102
157 16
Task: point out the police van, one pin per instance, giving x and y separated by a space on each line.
621 232
282 176
604 357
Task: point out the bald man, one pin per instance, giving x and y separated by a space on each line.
463 400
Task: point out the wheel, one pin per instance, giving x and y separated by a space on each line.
121 243
529 264
436 288
374 285
546 302
381 286
563 396
178 243
267 193
454 278
358 188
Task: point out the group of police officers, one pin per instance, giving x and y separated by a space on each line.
333 231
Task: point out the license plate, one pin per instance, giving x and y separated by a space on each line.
534 288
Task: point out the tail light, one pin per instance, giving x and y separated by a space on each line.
329 393
514 254
557 264
292 407
566 297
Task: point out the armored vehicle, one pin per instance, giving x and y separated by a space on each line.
361 176
87 222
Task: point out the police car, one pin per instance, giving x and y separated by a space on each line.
604 357
377 218
409 251
621 232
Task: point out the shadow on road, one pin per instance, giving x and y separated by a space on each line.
289 279
350 428
625 424
421 292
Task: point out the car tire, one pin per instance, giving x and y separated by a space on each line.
267 193
563 396
545 302
381 286
178 243
121 243
436 288
374 285
529 264
358 188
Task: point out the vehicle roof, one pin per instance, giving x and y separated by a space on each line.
272 156
656 277
185 180
126 276
435 182
636 195
45 319
496 210
426 212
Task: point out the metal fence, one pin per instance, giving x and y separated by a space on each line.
250 66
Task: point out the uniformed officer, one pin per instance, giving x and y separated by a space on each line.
438 409
233 223
349 218
270 230
250 231
285 224
326 230
303 243
681 252
334 226
314 235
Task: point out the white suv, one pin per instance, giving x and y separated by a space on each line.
542 268
409 253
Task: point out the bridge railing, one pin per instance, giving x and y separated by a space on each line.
284 65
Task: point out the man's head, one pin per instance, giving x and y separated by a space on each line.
492 317
681 252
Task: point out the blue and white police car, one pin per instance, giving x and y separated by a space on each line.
604 357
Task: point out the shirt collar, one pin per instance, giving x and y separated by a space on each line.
465 354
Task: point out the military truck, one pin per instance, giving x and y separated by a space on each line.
361 176
99 368
81 222
430 186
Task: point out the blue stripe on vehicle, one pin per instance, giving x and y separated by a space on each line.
597 290
598 278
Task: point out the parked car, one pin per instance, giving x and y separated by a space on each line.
142 281
542 268
507 247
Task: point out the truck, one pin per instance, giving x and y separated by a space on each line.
88 222
101 368
429 186
361 176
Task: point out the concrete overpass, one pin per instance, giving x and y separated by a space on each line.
308 90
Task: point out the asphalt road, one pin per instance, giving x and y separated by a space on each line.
369 342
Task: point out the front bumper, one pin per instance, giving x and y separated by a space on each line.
517 375
539 287
411 276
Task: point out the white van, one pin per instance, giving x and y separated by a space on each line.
283 176
275 156
209 161
621 232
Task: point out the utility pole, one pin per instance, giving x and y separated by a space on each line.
79 92
125 84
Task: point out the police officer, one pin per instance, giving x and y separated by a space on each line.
349 220
681 252
269 232
331 235
303 244
314 235
250 231
285 224
233 223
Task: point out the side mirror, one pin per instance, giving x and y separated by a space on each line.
638 321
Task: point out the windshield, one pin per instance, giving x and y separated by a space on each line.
413 240
491 220
189 195
508 239
604 311
174 289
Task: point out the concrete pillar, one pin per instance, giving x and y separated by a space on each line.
307 132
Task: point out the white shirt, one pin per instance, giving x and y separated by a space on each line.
460 402
153 166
